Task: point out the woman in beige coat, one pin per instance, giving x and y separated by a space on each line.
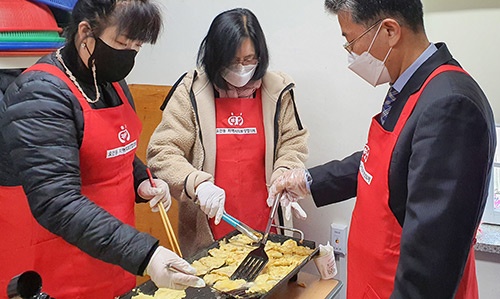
229 129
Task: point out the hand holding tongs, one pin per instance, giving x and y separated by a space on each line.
241 227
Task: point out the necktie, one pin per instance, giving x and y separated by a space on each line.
386 107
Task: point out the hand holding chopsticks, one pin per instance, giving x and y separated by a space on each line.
164 217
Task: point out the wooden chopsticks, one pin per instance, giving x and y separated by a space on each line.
166 222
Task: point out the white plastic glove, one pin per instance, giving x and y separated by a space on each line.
292 206
293 185
164 277
211 199
155 195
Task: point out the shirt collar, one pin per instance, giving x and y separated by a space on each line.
406 75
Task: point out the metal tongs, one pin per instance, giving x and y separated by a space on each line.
241 227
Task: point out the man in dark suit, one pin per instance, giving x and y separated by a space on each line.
422 179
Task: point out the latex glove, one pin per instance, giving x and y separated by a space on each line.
155 195
211 199
164 277
293 184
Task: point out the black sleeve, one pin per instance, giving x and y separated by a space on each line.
140 175
38 117
148 257
335 181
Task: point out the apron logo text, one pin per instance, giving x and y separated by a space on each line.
120 151
364 174
236 131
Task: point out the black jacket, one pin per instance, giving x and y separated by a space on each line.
42 125
438 178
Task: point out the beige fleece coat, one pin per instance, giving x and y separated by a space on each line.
182 149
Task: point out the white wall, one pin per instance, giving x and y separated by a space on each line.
334 104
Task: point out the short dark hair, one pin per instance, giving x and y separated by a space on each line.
407 12
137 19
224 37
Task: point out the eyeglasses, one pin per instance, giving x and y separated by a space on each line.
348 45
251 59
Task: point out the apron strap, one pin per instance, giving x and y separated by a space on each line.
408 109
57 72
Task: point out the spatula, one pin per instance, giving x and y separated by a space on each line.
257 259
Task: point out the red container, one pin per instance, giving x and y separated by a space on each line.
24 15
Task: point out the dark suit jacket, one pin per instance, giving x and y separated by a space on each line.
438 178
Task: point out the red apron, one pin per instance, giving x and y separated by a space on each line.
240 162
106 164
375 234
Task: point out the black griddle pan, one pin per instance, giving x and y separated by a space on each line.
149 288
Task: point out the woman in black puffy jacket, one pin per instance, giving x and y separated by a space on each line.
69 177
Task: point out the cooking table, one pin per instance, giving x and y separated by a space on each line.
314 288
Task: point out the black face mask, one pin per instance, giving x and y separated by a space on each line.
111 64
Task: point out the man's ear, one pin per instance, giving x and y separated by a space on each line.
392 30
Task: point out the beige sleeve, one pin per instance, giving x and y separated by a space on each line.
292 150
174 149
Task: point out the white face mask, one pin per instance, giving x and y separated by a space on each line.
368 67
239 75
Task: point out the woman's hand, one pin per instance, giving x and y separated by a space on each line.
211 199
168 270
160 193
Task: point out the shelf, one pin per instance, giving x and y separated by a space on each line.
17 62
